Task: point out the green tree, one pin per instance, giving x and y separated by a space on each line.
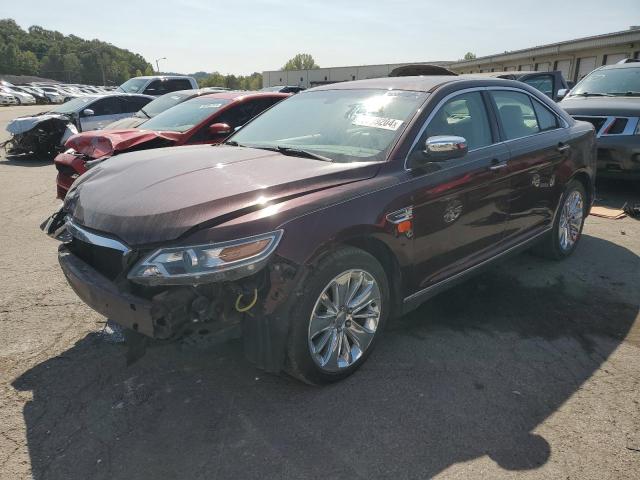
64 57
302 61
28 63
72 67
469 56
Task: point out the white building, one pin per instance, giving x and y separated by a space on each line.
574 58
321 76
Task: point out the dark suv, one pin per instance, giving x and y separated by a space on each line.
609 99
333 211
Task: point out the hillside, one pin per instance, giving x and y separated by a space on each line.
66 58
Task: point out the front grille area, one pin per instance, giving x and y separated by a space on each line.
107 261
618 126
597 122
610 125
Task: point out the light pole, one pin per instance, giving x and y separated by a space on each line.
158 66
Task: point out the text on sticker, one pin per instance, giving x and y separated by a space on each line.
376 122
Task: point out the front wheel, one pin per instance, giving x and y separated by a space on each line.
567 227
338 318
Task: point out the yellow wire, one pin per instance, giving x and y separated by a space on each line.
248 307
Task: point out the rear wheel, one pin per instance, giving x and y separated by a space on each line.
567 227
338 319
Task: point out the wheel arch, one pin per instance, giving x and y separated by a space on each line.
383 253
585 179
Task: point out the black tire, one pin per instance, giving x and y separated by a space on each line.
300 363
551 246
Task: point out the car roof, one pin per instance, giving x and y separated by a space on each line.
147 77
426 83
620 65
237 94
515 73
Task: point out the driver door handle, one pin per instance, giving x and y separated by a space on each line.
563 147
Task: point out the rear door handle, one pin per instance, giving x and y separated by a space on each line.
497 165
563 147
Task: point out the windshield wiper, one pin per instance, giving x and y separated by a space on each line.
625 94
233 143
298 152
588 94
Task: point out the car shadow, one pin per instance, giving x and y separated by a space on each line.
25 161
471 373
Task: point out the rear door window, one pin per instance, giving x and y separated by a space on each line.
516 114
546 119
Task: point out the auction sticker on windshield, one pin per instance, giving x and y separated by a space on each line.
377 122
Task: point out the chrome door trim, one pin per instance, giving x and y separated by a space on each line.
470 270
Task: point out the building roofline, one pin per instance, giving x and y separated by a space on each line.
556 48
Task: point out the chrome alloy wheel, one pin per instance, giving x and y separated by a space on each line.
344 320
571 220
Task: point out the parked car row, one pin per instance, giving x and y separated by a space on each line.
45 133
47 93
325 215
198 117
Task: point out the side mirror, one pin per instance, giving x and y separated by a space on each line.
562 93
218 129
444 147
87 112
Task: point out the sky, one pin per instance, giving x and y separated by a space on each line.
242 36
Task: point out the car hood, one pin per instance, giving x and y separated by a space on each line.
602 106
101 143
157 195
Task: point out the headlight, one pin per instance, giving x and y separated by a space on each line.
206 263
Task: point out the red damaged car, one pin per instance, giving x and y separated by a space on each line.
201 120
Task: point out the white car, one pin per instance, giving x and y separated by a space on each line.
158 84
53 94
23 98
7 99
94 112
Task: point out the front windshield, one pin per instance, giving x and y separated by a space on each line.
74 105
133 85
610 81
165 102
341 125
185 115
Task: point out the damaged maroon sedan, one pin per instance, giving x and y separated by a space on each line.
206 119
332 212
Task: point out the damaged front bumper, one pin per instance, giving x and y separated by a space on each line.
104 297
254 308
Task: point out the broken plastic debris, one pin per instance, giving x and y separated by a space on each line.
112 332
